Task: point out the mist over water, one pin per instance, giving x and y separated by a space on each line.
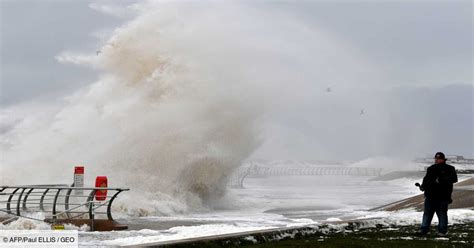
184 96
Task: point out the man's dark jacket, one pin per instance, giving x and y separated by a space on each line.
438 182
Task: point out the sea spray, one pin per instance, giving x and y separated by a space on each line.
178 104
157 121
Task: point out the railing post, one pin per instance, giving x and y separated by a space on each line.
10 200
66 202
54 204
90 200
19 201
26 197
42 199
109 206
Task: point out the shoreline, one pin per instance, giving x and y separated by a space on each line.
340 234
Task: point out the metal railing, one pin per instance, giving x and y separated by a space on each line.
56 202
237 179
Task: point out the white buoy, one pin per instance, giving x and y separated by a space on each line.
78 179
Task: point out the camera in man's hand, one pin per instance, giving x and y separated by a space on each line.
419 186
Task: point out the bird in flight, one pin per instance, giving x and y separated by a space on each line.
362 111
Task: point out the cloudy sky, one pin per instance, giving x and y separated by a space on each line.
422 49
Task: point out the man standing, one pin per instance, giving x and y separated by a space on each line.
438 186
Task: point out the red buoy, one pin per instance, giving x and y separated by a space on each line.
101 182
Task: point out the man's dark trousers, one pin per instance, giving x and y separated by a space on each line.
439 207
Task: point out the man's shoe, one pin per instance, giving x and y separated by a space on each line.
440 234
422 233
